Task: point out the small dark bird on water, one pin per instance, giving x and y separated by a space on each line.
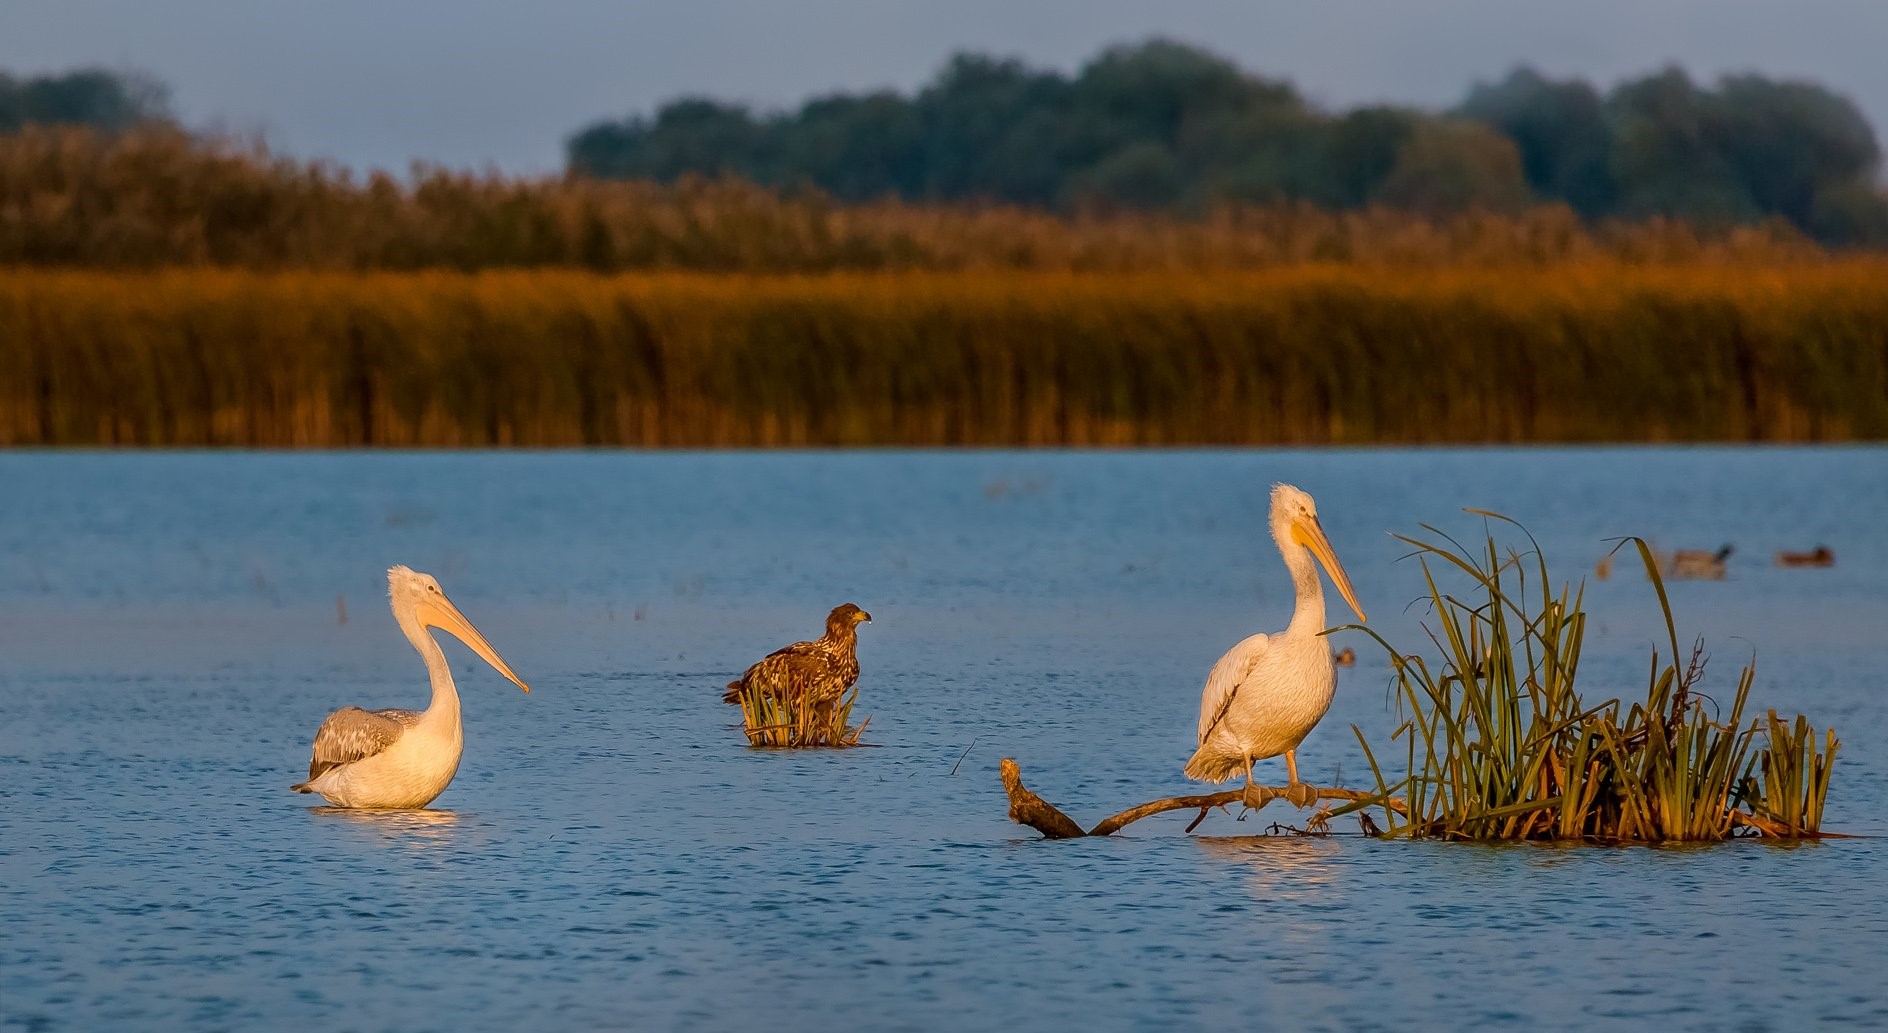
821 670
1696 563
1822 557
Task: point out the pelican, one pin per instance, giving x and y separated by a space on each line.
402 758
1267 693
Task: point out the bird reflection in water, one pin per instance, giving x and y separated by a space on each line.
1280 867
412 828
1299 909
1294 881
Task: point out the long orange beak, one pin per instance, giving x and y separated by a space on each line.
1310 534
438 612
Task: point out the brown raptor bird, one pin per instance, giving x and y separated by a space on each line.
821 670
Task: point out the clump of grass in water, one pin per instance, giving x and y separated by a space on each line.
1500 745
790 723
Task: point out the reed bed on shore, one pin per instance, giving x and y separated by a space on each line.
1501 745
158 198
1301 355
790 724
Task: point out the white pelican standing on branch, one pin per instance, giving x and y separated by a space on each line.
1267 693
402 758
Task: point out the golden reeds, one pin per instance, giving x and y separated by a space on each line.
1500 744
1605 351
790 723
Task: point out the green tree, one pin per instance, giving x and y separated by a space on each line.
1668 153
1259 157
1161 125
88 97
1150 91
1187 128
1788 141
1851 214
857 148
1142 175
1453 165
994 129
1562 133
1359 151
691 135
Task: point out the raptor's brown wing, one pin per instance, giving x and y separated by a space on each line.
802 669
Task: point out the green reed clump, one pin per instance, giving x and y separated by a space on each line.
791 723
1795 774
1500 744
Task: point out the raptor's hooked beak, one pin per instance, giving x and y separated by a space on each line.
437 611
1306 531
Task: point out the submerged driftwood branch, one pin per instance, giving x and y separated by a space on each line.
1026 808
1779 830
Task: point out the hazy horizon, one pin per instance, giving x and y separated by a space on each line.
484 83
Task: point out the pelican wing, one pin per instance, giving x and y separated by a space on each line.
350 734
1222 684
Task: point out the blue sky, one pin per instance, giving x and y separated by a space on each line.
501 82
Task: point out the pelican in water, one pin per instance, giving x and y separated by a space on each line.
402 758
1267 693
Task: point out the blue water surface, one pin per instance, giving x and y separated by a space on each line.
174 626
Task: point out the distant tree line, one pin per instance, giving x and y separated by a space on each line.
157 196
1154 129
1162 126
93 97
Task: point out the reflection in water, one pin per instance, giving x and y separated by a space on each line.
1294 881
416 828
1281 868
